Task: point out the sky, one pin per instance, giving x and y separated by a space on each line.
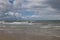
30 9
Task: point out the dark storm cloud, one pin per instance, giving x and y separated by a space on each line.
54 4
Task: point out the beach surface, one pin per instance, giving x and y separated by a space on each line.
36 31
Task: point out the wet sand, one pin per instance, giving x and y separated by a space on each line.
29 32
25 36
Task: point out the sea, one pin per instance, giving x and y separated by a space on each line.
41 28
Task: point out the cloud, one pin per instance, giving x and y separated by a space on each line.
42 9
4 7
44 17
54 4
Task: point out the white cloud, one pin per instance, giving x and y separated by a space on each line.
4 6
43 17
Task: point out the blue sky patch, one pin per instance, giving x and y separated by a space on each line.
27 13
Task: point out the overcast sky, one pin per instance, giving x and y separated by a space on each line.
30 9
